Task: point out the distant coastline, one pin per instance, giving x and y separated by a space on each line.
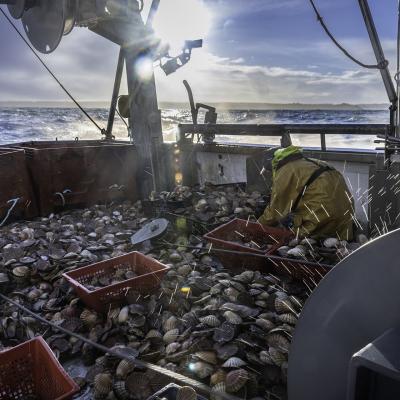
219 106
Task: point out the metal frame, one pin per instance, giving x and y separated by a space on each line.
277 130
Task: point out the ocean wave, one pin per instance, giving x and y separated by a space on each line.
25 124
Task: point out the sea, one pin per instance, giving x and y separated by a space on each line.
19 124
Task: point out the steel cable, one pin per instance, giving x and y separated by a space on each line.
344 51
102 130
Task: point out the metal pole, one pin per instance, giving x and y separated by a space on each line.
145 120
379 54
153 10
117 85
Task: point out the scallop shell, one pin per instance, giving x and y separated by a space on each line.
171 336
278 341
265 324
236 379
172 348
234 362
225 333
201 369
124 368
233 318
102 384
277 357
89 318
288 318
186 393
297 252
138 385
21 272
331 242
265 358
283 251
171 323
217 377
154 335
226 351
207 356
123 315
211 320
217 390
283 306
120 391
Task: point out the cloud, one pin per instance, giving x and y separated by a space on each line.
218 79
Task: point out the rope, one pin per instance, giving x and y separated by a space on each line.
119 354
102 130
382 65
14 201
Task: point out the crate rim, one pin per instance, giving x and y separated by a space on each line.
73 281
210 234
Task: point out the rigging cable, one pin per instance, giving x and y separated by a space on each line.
102 130
382 65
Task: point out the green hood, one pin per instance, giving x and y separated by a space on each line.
281 154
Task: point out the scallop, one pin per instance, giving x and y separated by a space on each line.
283 251
208 356
186 393
283 305
102 384
277 357
123 315
124 368
171 336
236 379
265 357
89 318
201 369
217 391
297 252
331 242
154 335
233 318
265 324
211 320
278 341
21 272
234 362
171 323
120 391
217 377
288 318
172 348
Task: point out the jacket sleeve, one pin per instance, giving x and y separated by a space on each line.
279 205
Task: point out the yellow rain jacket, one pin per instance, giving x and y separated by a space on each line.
325 209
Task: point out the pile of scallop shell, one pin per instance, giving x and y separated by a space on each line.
230 330
328 251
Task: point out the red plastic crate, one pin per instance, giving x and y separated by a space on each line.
225 235
32 370
149 271
310 272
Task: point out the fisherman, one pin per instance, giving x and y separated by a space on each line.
308 196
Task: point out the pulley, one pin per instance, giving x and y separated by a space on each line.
47 21
351 312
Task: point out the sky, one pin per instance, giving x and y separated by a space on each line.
269 51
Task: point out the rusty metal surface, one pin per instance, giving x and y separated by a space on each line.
80 173
15 184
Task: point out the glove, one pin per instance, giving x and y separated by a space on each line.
287 221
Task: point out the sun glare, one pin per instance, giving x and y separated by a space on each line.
180 20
